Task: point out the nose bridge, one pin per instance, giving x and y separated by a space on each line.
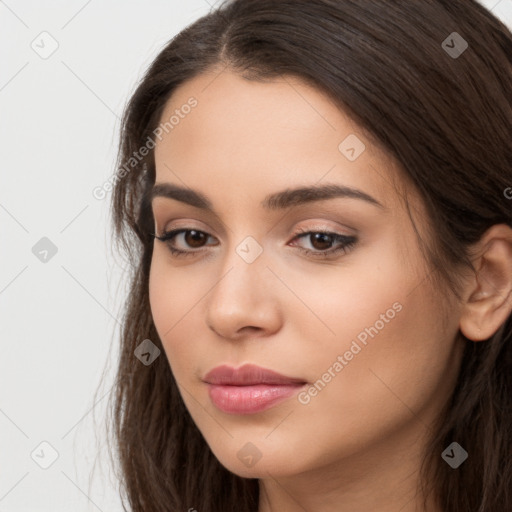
244 267
243 295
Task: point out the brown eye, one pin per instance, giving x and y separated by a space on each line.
321 241
325 244
194 238
190 238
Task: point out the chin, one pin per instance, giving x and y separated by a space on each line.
268 464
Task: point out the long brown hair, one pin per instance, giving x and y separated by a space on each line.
446 118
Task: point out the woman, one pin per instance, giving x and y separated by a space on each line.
313 198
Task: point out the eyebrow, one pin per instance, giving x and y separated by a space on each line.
275 201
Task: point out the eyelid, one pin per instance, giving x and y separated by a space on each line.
179 217
168 225
299 230
321 226
343 244
323 212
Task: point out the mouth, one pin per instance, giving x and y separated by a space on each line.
249 389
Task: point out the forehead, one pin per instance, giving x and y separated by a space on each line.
277 133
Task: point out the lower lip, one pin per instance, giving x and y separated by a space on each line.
250 399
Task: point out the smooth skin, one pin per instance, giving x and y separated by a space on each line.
357 444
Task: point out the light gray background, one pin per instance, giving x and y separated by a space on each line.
59 319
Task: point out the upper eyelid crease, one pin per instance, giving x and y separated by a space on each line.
276 201
347 241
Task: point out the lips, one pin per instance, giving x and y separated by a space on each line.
249 389
248 375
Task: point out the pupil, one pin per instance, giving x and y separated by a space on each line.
194 238
322 237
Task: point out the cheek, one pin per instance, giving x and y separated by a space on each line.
390 357
172 298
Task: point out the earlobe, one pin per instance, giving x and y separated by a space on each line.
488 301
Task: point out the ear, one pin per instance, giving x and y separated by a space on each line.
488 298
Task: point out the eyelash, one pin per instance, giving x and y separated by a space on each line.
347 242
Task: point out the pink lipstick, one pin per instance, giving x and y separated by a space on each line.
248 389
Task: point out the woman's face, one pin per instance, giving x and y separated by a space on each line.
371 344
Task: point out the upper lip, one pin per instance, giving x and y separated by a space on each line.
247 375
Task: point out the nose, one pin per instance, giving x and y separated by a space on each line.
244 301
